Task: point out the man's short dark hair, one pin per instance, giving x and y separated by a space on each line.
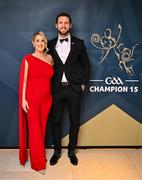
64 14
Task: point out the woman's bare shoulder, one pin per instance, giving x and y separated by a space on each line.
49 59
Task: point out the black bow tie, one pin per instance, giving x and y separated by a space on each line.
62 40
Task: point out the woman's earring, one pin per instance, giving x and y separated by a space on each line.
46 50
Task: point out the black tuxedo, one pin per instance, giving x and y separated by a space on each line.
76 70
76 67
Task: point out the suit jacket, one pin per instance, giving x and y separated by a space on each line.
76 67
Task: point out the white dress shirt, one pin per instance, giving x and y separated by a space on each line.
63 50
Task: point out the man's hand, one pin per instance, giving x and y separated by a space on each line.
83 87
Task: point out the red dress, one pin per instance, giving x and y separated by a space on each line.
39 98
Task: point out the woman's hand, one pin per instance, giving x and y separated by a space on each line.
25 106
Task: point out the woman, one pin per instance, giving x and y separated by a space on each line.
35 102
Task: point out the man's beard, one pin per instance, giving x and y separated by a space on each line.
65 33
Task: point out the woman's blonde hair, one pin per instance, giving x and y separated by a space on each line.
40 33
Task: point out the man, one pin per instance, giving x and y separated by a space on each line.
71 65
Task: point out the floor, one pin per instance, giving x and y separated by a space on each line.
94 164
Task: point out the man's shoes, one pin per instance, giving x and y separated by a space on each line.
73 159
54 159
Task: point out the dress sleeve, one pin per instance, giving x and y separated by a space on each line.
23 155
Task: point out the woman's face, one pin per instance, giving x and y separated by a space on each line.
39 43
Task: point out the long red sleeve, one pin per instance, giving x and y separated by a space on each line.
23 155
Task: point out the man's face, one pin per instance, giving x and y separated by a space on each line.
63 25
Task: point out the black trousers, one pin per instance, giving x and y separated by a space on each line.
66 96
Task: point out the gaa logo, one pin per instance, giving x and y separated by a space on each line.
113 80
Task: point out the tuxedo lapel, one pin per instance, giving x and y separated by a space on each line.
71 50
55 52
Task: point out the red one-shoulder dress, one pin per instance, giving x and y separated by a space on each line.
39 98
